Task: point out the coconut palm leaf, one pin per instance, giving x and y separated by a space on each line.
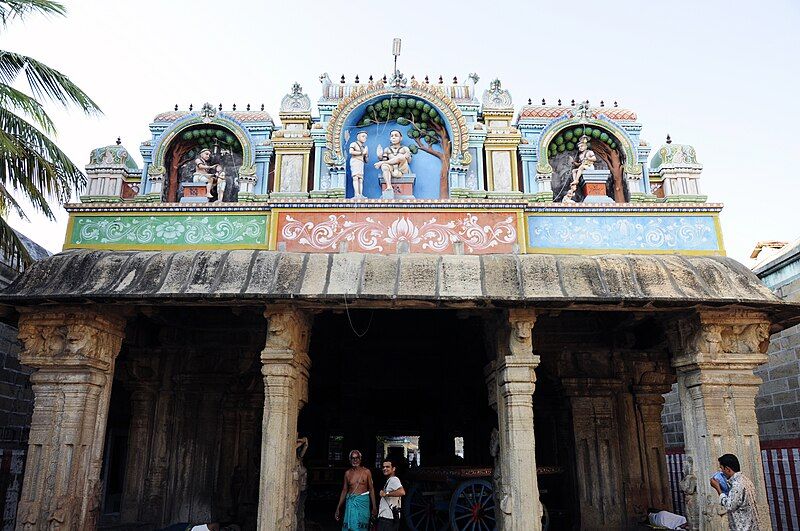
31 163
45 82
13 99
10 9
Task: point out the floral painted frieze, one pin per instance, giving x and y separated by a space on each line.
636 233
168 231
383 232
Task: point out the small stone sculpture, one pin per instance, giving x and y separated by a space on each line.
393 161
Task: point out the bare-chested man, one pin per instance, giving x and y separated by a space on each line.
357 496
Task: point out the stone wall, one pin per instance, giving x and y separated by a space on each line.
671 419
778 400
16 406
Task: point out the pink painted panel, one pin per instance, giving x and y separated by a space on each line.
381 232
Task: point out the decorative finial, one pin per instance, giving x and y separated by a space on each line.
559 102
530 102
543 102
234 106
413 78
384 78
342 80
455 80
669 140
248 106
572 103
615 104
602 103
190 107
370 78
176 106
426 80
220 107
119 141
262 106
441 80
357 80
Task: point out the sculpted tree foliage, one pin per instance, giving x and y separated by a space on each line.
31 165
427 128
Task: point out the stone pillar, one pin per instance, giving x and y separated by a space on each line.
598 464
73 351
714 354
141 379
285 368
511 381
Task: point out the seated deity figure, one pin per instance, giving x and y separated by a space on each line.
205 172
584 161
393 161
358 157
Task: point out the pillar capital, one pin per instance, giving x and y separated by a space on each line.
735 339
70 338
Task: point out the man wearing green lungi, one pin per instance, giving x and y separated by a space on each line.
358 496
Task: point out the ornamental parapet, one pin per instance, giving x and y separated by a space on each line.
466 226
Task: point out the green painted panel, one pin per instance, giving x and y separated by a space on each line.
168 231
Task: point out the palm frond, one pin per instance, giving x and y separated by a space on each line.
45 82
31 163
12 248
11 9
13 99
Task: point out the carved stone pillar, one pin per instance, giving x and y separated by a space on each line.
285 367
511 381
714 353
647 376
141 379
73 351
598 465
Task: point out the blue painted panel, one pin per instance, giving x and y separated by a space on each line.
643 233
427 168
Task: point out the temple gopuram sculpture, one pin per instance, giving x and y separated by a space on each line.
413 266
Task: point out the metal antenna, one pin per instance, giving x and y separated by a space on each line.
396 51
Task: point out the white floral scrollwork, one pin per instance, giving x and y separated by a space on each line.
140 230
431 235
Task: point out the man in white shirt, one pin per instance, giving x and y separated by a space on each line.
390 498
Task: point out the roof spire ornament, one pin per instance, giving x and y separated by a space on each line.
190 107
559 102
119 141
220 107
669 140
248 106
176 107
207 111
530 101
543 102
357 81
615 104
583 112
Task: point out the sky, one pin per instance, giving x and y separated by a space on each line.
719 75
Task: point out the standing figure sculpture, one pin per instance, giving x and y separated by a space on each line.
358 157
584 161
688 485
393 161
